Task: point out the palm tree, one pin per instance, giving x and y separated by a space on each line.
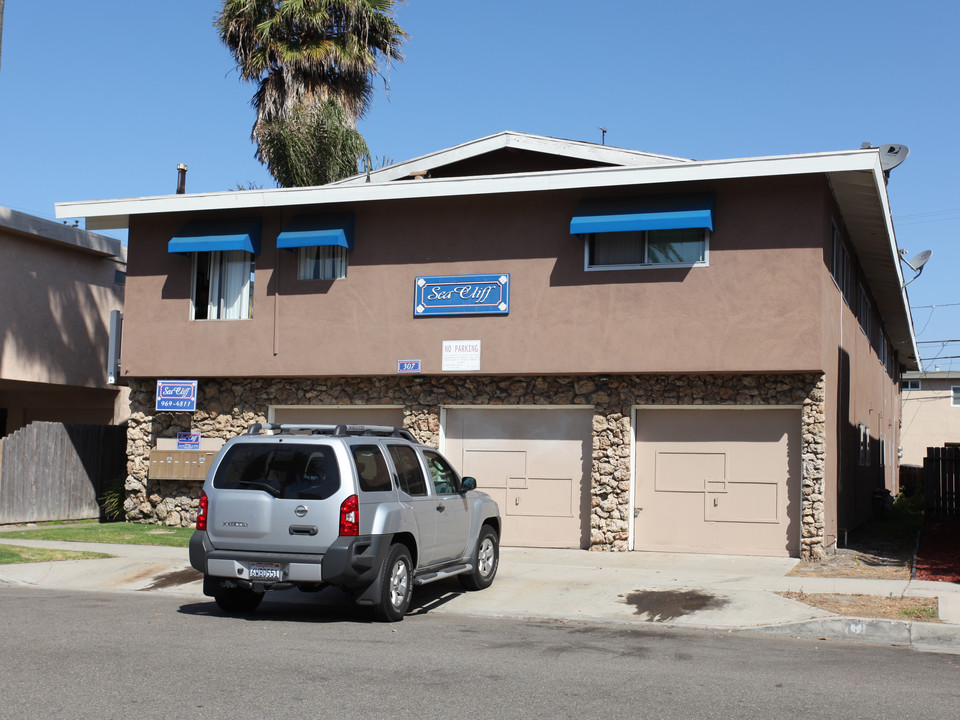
312 145
305 54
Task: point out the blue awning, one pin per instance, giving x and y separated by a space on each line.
675 212
315 230
212 235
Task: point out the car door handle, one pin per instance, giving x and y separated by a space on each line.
441 508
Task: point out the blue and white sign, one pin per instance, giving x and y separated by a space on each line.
462 295
408 366
177 395
188 441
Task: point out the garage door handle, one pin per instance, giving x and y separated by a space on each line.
441 508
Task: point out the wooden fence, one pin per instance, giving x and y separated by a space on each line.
56 471
941 481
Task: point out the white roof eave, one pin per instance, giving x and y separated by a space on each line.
104 214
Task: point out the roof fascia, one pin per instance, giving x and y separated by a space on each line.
881 183
931 375
60 234
104 214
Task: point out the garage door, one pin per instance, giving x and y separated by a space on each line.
326 415
718 481
535 463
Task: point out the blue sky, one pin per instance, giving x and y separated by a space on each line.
102 100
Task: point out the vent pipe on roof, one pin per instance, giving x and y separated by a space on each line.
181 178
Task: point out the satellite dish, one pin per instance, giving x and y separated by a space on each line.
892 155
919 260
916 264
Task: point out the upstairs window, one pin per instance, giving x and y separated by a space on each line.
638 248
322 243
840 265
323 262
223 285
864 311
955 396
909 384
223 253
647 231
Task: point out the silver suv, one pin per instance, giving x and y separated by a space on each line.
364 508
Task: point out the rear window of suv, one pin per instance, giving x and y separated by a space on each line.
283 470
372 468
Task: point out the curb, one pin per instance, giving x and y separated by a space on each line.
923 636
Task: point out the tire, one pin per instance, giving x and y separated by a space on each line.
396 585
486 560
237 599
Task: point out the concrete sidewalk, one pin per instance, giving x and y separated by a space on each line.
721 592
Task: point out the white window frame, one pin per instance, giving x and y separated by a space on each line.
954 395
864 444
865 311
332 262
840 269
910 385
646 264
217 306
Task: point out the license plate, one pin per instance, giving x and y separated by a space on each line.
265 571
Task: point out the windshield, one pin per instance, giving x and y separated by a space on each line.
284 471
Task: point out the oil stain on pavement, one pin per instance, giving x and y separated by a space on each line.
174 578
667 605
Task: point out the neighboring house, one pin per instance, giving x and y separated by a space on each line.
629 351
931 413
58 286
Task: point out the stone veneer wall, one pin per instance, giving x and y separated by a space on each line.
227 406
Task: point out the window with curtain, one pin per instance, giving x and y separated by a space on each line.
223 285
641 248
322 262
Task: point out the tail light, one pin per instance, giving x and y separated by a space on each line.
350 516
202 511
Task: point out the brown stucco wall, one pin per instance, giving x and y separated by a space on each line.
227 407
751 310
55 303
859 389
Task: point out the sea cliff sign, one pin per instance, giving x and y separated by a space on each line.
462 295
177 395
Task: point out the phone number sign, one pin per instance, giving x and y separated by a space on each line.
177 395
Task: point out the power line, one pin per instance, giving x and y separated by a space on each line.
927 217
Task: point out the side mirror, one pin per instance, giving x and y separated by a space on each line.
468 484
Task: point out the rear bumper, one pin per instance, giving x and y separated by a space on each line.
352 563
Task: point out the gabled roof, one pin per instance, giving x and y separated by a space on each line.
536 151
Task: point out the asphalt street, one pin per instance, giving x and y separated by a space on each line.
121 654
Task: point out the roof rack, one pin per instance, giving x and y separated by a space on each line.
341 430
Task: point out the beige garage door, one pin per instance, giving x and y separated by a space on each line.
718 481
325 415
535 463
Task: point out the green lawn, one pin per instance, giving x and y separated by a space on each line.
13 554
125 533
